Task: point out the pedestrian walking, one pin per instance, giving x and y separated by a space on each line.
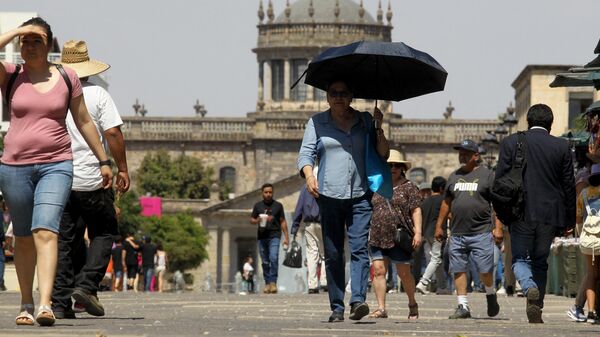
248 275
402 212
148 251
467 197
162 264
549 203
37 163
336 138
269 215
433 248
118 264
307 212
90 206
130 257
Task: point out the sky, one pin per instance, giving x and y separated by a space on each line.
170 53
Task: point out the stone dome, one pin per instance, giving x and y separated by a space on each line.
324 12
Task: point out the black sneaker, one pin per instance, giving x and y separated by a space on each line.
461 312
358 310
533 309
61 313
592 318
91 302
493 308
2 286
313 291
324 289
510 291
336 316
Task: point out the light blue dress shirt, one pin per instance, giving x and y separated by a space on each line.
341 155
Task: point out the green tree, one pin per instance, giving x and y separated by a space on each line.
184 177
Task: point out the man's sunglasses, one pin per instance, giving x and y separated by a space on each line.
339 94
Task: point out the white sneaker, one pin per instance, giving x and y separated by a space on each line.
421 288
501 291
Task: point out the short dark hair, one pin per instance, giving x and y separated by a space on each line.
438 184
540 115
339 79
262 188
37 21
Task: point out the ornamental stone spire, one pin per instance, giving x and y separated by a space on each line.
261 12
311 9
270 13
288 10
336 10
361 11
379 14
389 13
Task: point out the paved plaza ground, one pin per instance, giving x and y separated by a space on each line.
211 314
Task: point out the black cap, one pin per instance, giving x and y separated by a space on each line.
468 145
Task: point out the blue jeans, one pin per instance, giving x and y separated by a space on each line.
36 194
148 273
269 256
530 249
355 216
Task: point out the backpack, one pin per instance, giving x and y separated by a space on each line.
589 240
507 191
13 78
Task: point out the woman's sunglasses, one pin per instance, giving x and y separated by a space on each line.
396 165
339 94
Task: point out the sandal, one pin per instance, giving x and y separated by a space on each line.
45 316
379 313
25 316
413 311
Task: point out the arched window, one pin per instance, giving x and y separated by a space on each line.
418 175
277 80
227 177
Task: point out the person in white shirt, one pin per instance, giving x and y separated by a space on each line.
89 204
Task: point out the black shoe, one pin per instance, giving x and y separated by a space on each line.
324 289
510 291
533 309
461 312
91 302
2 287
493 308
60 313
358 310
336 316
313 291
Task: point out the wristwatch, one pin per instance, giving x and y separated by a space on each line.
107 162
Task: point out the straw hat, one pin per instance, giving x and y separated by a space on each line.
75 56
396 157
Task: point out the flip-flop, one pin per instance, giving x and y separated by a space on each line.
45 316
25 316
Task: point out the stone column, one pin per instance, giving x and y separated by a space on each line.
261 82
287 74
267 85
226 276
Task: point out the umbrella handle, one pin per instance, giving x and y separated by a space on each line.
298 80
375 104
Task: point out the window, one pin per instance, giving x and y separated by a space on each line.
418 175
299 92
277 80
320 95
227 177
578 102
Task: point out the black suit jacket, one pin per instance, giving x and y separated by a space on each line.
548 179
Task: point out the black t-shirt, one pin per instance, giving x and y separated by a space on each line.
117 257
273 228
471 202
131 254
431 210
148 252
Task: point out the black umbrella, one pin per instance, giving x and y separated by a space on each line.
389 71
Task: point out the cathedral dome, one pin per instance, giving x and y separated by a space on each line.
324 12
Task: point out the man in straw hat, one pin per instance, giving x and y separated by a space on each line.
467 197
89 204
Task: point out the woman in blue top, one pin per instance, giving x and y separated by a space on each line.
336 139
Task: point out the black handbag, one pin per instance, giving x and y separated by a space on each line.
404 240
293 257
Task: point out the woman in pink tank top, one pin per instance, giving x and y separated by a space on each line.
36 168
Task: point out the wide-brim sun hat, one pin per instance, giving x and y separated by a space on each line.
594 178
75 56
396 157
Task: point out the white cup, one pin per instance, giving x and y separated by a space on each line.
263 220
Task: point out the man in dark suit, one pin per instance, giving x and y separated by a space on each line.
549 196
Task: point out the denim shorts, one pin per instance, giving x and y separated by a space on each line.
394 254
36 194
479 246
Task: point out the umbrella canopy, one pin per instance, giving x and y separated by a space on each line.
389 71
588 78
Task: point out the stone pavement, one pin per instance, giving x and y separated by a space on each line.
203 314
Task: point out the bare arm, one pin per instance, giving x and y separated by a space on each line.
444 211
417 219
284 229
116 143
86 127
383 147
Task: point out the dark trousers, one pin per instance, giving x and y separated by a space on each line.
94 210
530 249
